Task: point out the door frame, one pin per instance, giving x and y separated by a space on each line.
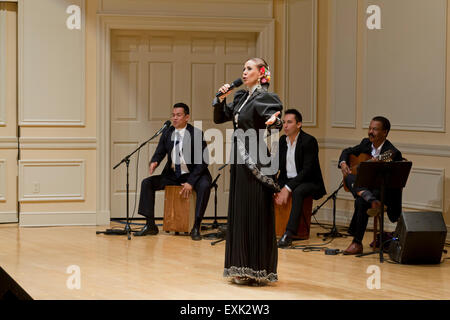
264 28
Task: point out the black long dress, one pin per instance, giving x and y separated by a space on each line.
251 248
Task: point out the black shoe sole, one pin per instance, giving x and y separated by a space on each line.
148 233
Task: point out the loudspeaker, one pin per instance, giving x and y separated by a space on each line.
419 238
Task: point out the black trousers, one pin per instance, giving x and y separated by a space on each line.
150 185
299 194
360 219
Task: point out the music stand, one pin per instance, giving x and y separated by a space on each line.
381 175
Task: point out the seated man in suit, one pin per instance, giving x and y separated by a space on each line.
367 201
185 146
300 172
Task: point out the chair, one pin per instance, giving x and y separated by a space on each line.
282 217
179 213
376 223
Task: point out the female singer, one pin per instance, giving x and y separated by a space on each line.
251 249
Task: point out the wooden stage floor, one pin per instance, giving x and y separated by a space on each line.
173 267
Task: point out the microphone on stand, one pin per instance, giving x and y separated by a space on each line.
166 125
236 83
127 229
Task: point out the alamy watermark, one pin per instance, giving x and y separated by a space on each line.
74 280
254 147
374 281
374 20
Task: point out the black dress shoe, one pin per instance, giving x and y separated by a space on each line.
195 234
148 229
285 241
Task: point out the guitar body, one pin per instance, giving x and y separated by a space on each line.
354 162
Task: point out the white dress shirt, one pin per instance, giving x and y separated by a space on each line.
183 166
377 151
291 169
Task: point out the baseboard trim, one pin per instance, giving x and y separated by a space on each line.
9 217
47 219
343 218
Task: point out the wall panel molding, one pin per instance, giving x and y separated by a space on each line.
2 179
343 50
3 73
404 65
52 78
51 180
8 65
300 58
222 8
425 189
8 143
69 143
405 148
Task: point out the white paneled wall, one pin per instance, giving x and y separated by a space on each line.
343 50
8 110
300 70
404 65
51 64
51 180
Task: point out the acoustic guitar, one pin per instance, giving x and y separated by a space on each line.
354 162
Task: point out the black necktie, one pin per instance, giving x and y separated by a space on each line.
177 155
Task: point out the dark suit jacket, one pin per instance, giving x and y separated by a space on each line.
194 147
393 196
306 163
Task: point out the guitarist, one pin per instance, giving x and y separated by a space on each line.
367 201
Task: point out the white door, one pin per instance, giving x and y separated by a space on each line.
153 70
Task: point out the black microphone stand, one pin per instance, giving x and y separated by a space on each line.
127 230
334 233
216 235
215 224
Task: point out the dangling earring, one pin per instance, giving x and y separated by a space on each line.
258 86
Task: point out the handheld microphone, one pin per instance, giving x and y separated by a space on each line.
236 83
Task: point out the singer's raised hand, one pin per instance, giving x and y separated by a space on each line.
225 89
273 118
